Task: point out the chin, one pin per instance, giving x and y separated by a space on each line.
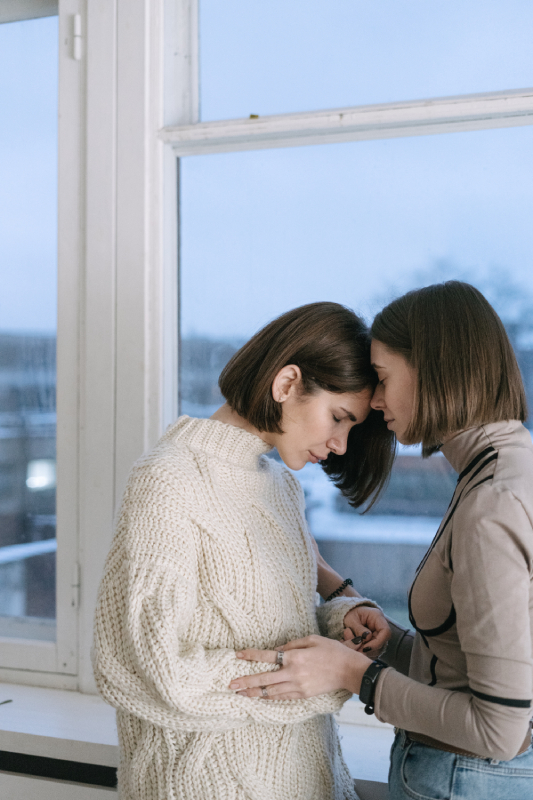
295 464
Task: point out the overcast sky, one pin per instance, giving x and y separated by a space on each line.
264 231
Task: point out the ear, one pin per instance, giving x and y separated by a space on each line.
286 382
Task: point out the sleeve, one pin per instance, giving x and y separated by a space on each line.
146 660
330 615
492 571
399 647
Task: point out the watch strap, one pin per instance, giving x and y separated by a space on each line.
368 684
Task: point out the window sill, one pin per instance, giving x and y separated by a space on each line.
57 724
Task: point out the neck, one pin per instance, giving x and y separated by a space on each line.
230 417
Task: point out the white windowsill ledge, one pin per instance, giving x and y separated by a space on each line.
58 724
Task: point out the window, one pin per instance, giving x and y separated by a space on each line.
129 102
266 226
28 242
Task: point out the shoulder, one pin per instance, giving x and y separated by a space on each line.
170 461
494 517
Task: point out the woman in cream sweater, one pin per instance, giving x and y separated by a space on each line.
460 691
212 555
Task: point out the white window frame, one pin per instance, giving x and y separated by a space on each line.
128 94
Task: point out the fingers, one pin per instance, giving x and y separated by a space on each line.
281 691
358 629
266 656
298 644
356 642
253 681
379 639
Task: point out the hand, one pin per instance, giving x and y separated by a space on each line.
363 620
311 666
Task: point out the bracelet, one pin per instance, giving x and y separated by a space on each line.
340 590
368 684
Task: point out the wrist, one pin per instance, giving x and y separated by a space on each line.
369 684
355 669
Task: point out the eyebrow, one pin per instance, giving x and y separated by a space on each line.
349 415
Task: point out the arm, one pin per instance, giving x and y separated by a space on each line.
147 659
349 610
399 648
328 580
492 567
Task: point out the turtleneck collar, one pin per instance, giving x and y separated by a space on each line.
465 446
223 441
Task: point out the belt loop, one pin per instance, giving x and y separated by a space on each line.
404 741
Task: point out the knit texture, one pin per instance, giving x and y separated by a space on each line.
211 555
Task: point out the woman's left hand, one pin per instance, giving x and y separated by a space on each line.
311 666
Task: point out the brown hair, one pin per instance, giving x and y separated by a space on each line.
467 373
331 346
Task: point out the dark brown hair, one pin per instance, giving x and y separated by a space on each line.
467 373
331 346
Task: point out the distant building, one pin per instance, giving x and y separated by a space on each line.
27 469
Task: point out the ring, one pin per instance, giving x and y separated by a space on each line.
279 658
264 691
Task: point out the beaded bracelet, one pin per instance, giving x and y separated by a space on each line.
340 590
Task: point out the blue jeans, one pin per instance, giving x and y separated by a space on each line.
418 772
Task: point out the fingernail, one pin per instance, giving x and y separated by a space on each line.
239 655
234 686
365 634
357 639
366 649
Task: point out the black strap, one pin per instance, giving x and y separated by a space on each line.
502 701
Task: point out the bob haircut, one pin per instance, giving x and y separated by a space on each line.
467 373
331 346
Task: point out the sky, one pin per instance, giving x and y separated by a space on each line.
265 231
28 175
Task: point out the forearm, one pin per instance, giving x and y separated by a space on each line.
456 718
399 647
328 580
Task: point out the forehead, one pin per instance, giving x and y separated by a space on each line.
381 356
353 402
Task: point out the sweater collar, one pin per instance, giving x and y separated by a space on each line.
223 441
466 445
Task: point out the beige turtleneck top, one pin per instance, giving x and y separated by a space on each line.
470 678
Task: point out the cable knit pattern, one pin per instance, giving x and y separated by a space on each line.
211 555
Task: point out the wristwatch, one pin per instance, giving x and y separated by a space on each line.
368 684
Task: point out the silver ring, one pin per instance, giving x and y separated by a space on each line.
279 658
264 691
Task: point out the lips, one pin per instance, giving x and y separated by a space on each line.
315 459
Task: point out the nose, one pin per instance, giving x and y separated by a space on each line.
338 444
378 402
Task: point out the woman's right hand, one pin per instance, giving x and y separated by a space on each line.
371 624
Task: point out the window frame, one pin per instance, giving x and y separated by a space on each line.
129 99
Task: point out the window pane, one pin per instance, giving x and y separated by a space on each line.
28 269
277 57
358 224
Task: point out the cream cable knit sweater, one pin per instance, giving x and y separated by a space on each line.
212 554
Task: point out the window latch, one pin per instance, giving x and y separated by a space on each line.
75 585
76 37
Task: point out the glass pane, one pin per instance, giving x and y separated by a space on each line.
278 57
358 224
28 270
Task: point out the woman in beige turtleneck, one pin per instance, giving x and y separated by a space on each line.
459 691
